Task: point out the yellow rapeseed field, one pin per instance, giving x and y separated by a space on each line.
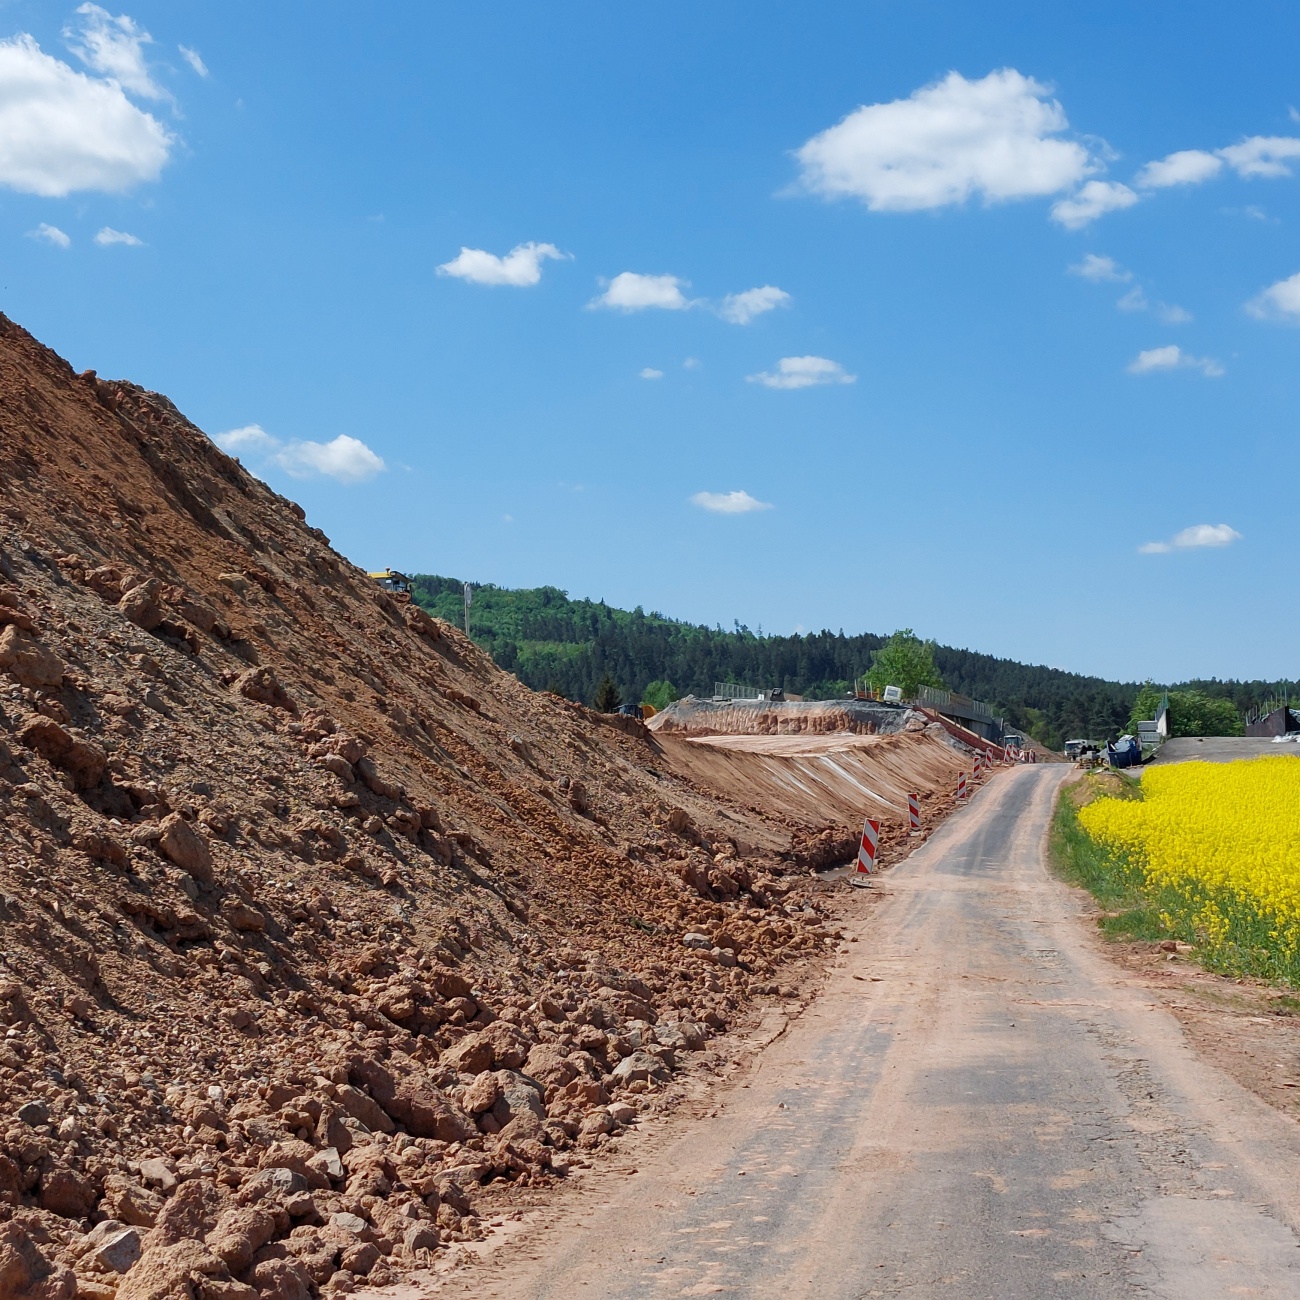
1218 845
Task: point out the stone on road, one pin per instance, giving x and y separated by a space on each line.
978 1105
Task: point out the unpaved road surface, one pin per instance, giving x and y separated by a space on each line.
979 1105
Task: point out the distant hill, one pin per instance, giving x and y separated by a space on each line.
551 642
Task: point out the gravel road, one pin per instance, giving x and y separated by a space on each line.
978 1105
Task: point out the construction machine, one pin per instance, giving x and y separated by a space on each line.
391 580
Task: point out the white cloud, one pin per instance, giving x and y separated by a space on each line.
741 308
51 235
346 459
1097 268
113 47
629 291
520 267
651 373
1262 155
61 130
1134 300
1278 301
108 236
729 503
1091 201
1193 538
945 143
192 58
1173 357
249 438
803 372
692 363
1186 167
1172 314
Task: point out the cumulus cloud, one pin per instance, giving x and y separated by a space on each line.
61 130
1186 167
1172 314
347 460
741 308
1096 267
108 236
630 291
113 47
1262 155
1193 538
1091 201
803 372
520 267
1280 301
192 58
651 373
51 235
1173 357
729 503
993 138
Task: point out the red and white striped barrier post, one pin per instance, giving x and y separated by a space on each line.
868 848
961 787
914 811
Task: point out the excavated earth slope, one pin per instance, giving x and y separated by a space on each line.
314 922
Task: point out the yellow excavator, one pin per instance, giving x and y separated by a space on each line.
391 580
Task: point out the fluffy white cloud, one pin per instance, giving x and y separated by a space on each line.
113 47
651 373
1134 300
1262 155
729 503
1198 535
1091 201
1172 314
51 235
1173 357
345 459
803 372
629 291
248 438
1097 268
741 308
108 236
521 266
1278 301
192 58
1186 167
61 130
946 142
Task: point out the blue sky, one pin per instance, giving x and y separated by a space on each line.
974 318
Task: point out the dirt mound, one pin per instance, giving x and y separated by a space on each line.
833 781
696 717
314 921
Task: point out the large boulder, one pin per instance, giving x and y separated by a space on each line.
186 847
406 1094
81 759
27 661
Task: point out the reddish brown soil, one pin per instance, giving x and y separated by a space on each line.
293 879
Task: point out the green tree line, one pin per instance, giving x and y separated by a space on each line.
551 642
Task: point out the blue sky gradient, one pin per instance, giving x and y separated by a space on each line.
988 478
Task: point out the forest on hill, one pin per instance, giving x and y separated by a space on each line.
551 642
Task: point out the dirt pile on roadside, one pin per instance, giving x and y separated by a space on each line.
697 717
314 921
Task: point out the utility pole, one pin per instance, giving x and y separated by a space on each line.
469 600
